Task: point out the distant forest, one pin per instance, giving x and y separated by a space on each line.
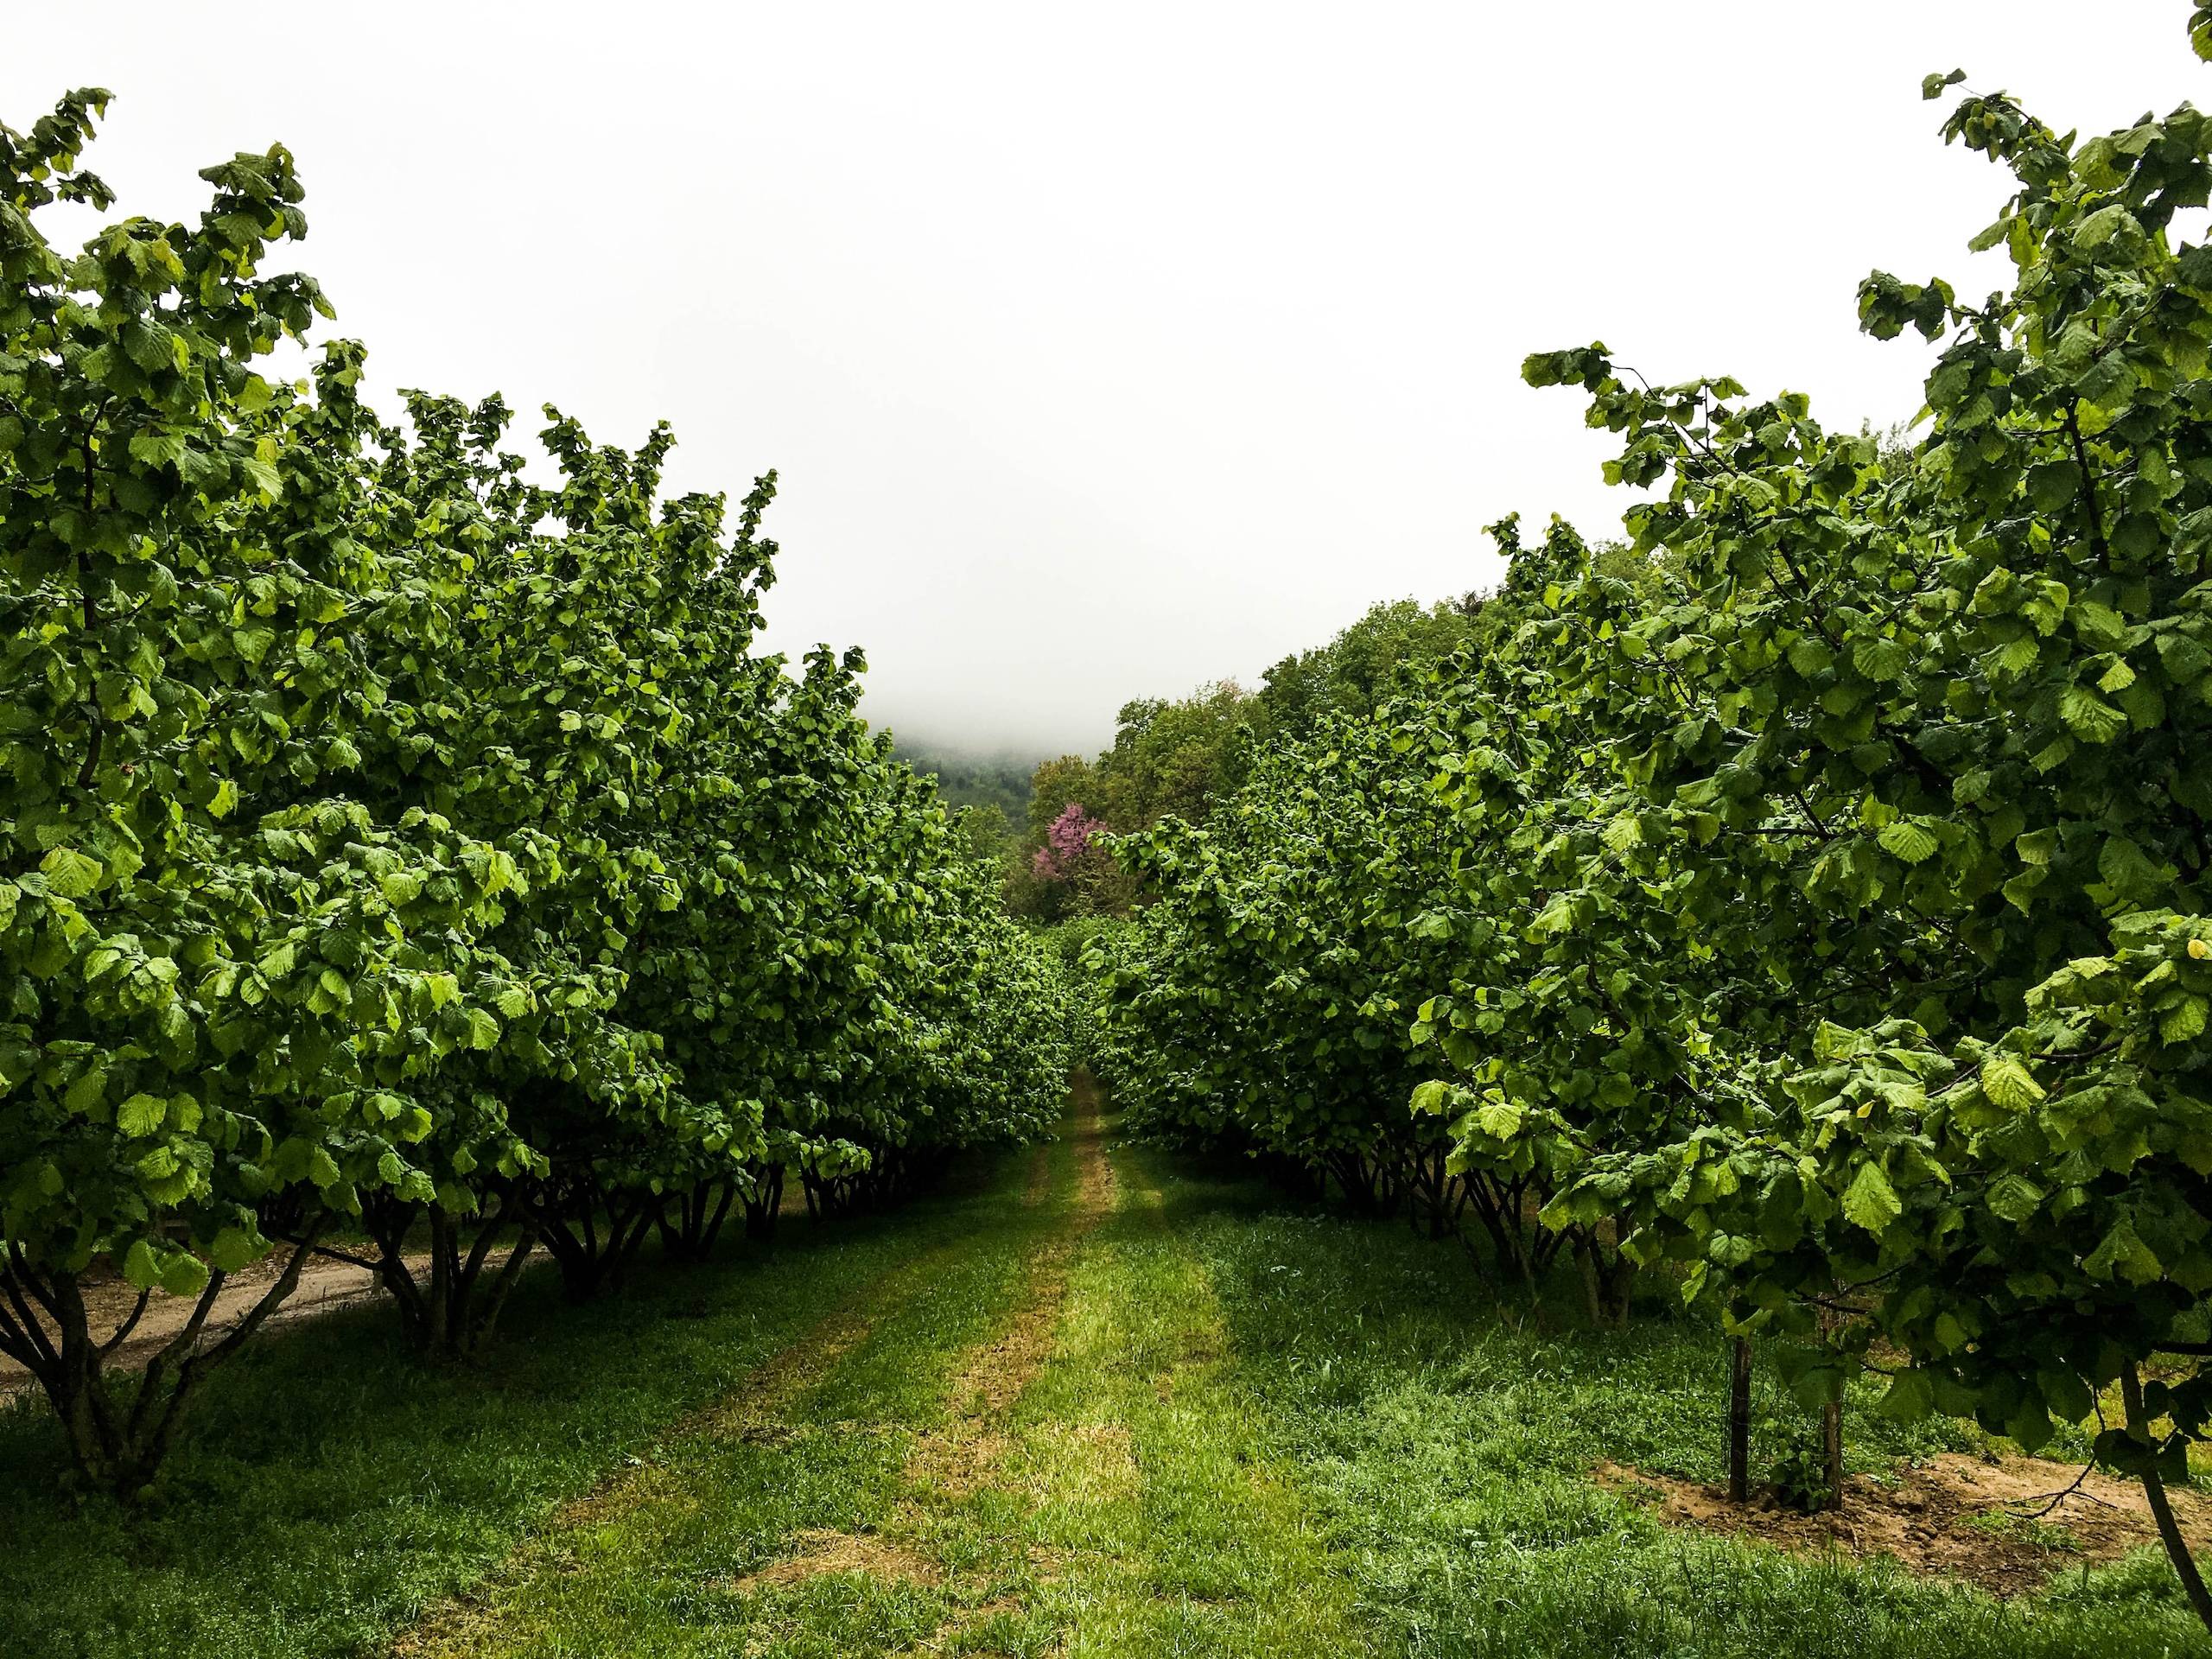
999 780
1037 819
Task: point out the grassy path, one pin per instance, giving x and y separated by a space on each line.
1023 1442
1101 1402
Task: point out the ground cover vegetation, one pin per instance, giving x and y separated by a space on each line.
1100 1398
1800 910
405 857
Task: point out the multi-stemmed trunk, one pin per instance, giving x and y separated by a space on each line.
764 1202
117 1435
1608 1277
691 1220
1520 1252
1373 1185
594 1234
448 1312
891 1175
1438 1199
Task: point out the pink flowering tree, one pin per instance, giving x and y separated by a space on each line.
1067 842
1073 874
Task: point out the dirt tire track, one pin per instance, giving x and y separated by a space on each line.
324 1287
467 1621
959 1457
954 1461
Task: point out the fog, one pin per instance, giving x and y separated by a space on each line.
1105 351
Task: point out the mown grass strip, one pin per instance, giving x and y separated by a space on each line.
760 1530
1126 1508
352 1488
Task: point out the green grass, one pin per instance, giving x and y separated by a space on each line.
1444 1442
1121 1503
1147 1475
328 1486
1244 1427
659 1574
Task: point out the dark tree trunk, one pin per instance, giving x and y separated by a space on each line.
764 1203
118 1436
592 1236
449 1313
1499 1205
691 1222
1439 1198
1372 1186
893 1175
2162 1509
1607 1279
1832 1421
1739 1421
826 1195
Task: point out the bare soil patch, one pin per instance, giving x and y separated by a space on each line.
2000 1524
822 1553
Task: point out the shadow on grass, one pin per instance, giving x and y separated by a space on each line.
1444 1434
330 1485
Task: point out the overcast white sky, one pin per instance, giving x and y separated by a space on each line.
1103 351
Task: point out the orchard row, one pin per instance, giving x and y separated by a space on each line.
1806 907
402 855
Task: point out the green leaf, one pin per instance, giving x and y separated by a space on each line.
2123 1254
1879 658
1911 1396
2183 1022
2014 1197
235 1248
139 1266
156 448
2098 228
1499 1119
69 874
1809 657
184 1274
1870 1202
483 1030
1907 840
2126 868
2009 1083
2089 716
140 1115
